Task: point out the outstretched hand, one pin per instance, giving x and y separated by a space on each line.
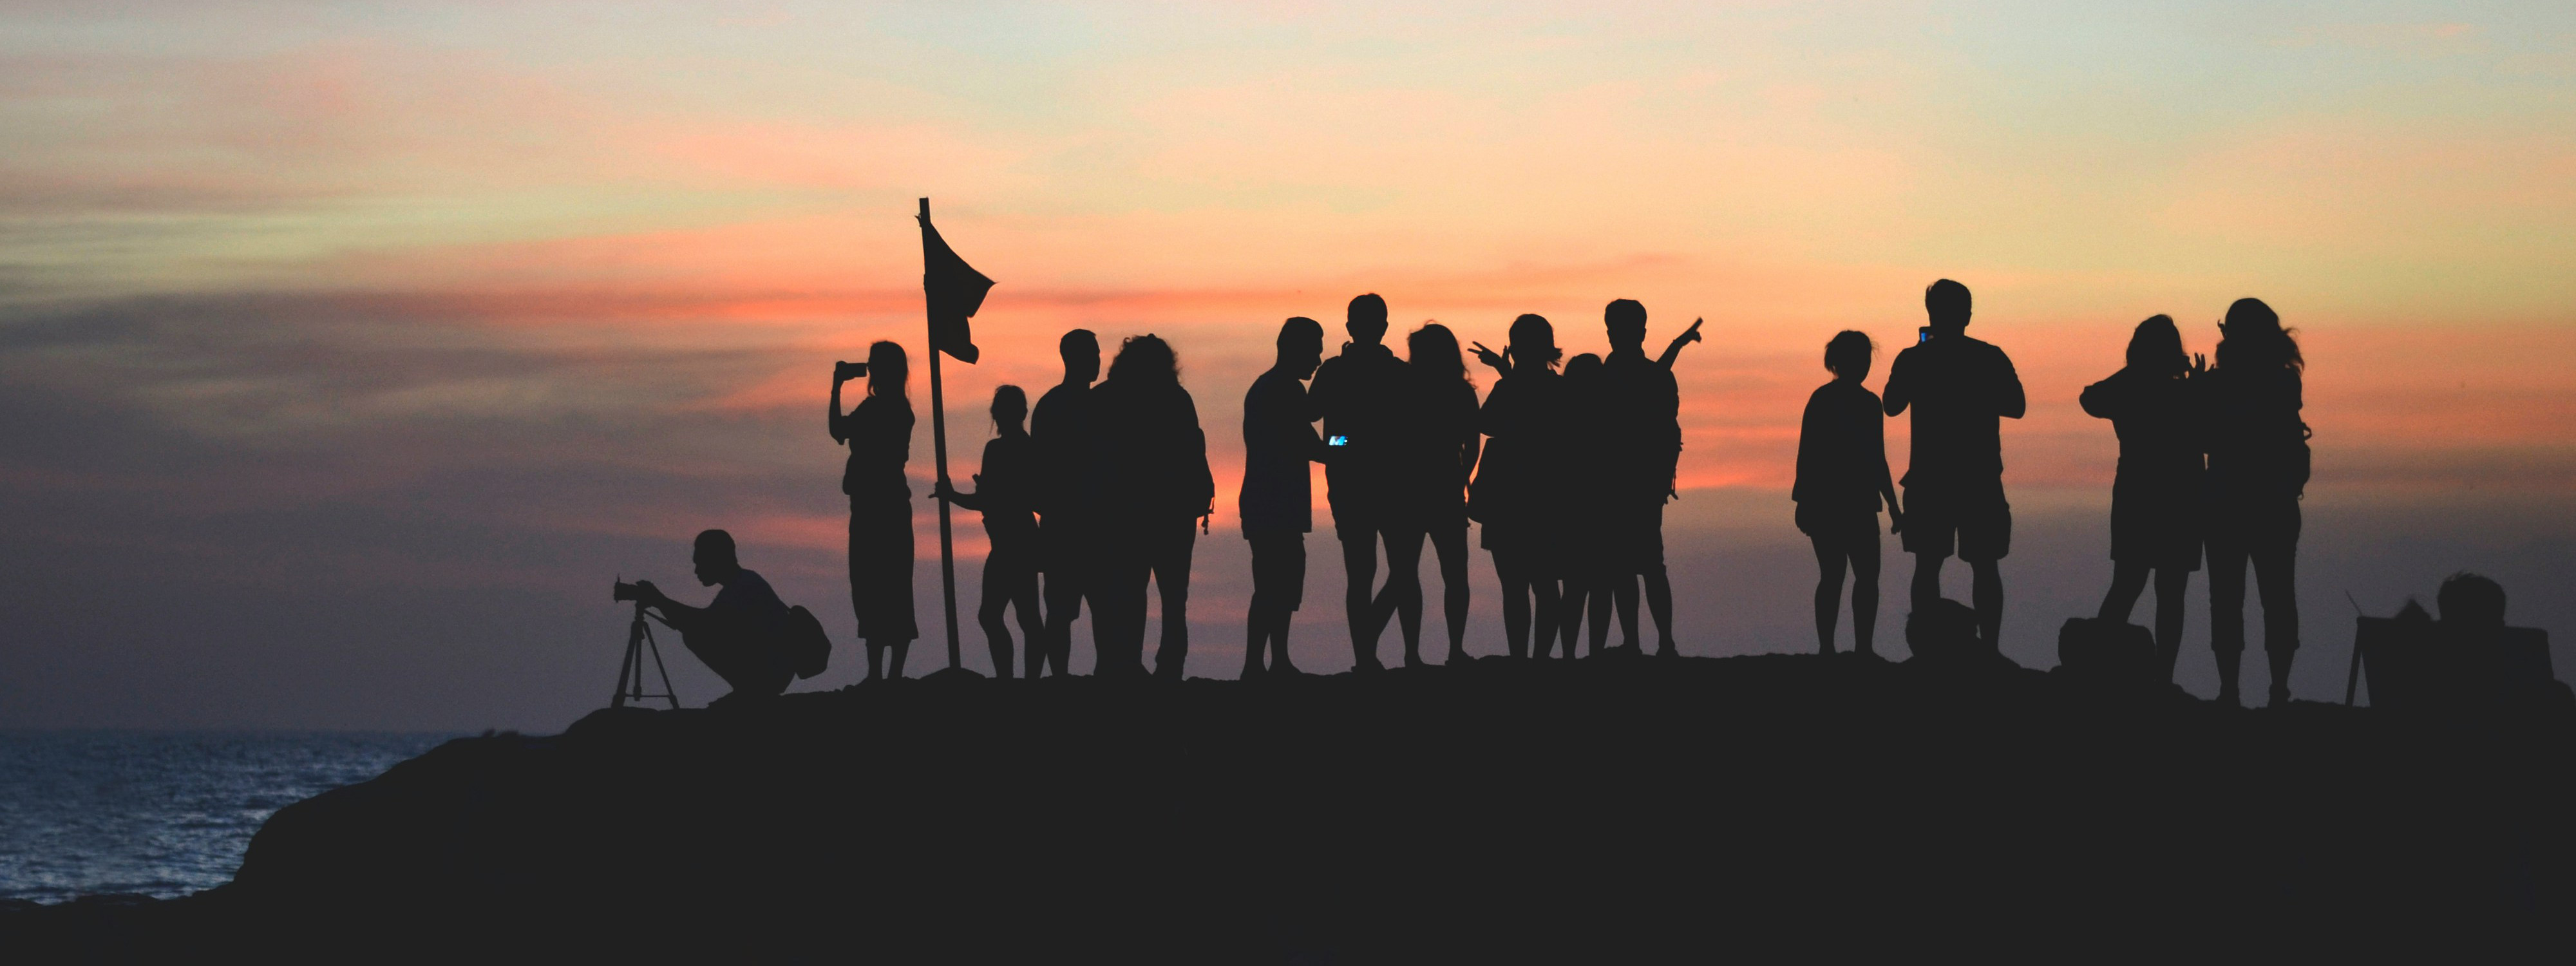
1895 520
2199 363
1689 335
1497 360
940 490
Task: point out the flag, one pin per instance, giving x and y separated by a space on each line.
954 290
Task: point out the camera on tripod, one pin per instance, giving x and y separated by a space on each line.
623 592
639 645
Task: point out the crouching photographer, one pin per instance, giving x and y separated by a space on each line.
748 636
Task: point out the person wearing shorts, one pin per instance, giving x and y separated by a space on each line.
1960 389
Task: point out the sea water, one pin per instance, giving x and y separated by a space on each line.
161 813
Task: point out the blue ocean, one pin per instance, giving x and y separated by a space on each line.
161 813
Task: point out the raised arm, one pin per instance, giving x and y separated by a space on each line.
840 424
1899 390
1674 351
2098 399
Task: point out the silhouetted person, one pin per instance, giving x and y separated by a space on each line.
1070 553
741 634
1519 483
2258 467
1003 491
1358 394
1842 477
1277 500
879 433
2155 500
1438 455
1959 388
1155 487
1642 404
1588 452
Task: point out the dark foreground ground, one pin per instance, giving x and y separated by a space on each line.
1606 810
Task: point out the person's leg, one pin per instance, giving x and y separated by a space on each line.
2172 583
859 594
1359 570
1659 605
1450 543
1927 579
1172 574
2227 614
1265 600
2276 579
1605 587
1574 592
1829 590
1544 615
989 612
1292 576
1862 552
2128 580
1401 598
876 658
1624 596
1516 603
1987 595
1063 595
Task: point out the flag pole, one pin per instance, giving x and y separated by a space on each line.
939 452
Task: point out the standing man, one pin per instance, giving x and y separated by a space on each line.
1278 497
1961 389
1644 432
1360 397
1060 432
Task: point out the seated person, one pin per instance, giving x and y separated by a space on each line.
742 634
2466 662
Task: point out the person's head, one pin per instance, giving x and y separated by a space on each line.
1947 305
887 369
1145 359
1301 346
2471 600
1433 351
1534 343
1081 352
2251 337
713 553
1366 321
1626 320
1847 355
1010 406
1582 368
2156 347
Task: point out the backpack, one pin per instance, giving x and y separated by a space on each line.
809 649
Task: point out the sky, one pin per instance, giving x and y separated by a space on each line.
349 351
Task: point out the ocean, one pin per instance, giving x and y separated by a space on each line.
161 813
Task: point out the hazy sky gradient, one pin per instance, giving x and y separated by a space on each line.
350 349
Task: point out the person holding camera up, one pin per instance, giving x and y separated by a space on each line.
1961 389
879 433
742 635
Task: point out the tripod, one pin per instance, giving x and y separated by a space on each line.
630 672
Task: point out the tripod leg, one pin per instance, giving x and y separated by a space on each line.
626 666
668 692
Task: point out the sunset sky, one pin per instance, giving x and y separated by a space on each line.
349 351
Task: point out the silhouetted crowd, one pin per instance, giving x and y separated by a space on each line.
1567 465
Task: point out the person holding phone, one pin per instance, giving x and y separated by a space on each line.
879 433
1960 389
1359 396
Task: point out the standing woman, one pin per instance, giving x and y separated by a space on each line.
1583 550
1517 490
879 433
1005 491
1443 403
1842 476
1157 488
2258 467
2155 500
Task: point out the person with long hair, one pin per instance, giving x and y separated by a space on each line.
1518 486
2258 469
1155 488
1003 491
2155 498
879 433
1587 451
1439 455
1842 477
